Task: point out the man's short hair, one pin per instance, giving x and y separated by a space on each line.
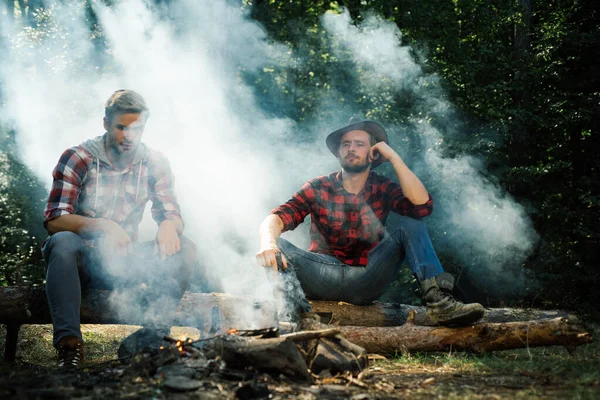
125 102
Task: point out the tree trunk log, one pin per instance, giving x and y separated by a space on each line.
219 312
216 313
481 337
393 314
210 312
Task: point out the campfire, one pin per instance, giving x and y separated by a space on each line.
304 356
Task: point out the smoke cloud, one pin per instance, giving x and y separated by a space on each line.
484 228
232 160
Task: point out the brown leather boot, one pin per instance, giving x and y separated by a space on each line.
441 306
70 353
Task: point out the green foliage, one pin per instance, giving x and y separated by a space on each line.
525 86
21 232
525 82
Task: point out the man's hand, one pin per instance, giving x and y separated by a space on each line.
270 230
116 239
384 151
267 257
167 240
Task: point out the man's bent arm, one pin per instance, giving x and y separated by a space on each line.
411 185
79 224
270 230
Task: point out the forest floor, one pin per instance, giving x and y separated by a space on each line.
541 373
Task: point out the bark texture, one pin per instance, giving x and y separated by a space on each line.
210 312
393 314
480 337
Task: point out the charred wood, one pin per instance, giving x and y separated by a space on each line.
269 355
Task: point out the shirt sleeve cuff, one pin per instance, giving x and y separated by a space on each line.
55 214
288 221
423 210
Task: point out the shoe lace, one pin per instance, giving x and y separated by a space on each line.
69 357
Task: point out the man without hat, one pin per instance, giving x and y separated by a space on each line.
99 192
352 257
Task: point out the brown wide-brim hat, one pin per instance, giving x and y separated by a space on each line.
372 127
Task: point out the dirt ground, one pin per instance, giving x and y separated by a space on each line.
544 373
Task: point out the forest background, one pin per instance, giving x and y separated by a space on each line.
522 80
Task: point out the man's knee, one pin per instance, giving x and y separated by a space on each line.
63 245
410 226
188 249
188 258
285 246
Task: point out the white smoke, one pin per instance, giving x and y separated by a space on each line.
489 229
225 153
232 162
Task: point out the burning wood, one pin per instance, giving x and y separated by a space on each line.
295 355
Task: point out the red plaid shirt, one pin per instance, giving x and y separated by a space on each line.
87 186
345 225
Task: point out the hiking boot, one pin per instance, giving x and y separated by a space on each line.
70 353
441 306
145 339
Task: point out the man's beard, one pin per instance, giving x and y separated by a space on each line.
355 168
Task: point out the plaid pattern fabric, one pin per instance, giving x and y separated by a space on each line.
86 186
345 225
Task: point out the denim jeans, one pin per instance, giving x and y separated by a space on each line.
323 277
73 266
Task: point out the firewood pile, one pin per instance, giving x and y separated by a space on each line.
301 356
240 364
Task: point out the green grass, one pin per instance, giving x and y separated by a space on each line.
458 375
101 343
574 376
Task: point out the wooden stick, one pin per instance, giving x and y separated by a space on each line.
310 335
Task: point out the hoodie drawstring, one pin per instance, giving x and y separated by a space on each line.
138 181
97 182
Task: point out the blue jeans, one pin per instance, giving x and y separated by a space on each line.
323 277
73 266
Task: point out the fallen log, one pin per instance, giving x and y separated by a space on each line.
216 312
394 314
28 305
480 337
211 313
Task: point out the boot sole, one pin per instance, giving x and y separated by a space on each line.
465 319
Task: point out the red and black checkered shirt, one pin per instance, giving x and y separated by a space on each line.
86 186
345 225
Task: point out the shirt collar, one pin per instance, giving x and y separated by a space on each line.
338 187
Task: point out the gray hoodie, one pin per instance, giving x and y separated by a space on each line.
86 183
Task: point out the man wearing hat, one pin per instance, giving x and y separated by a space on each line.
352 257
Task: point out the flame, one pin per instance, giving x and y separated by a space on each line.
232 331
162 347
